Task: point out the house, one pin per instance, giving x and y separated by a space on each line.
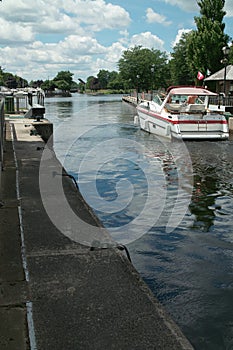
223 79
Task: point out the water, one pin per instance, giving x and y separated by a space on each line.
172 204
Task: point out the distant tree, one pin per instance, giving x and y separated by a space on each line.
89 81
92 83
205 44
21 83
95 84
115 81
10 81
103 78
143 68
62 85
48 85
64 80
36 83
1 76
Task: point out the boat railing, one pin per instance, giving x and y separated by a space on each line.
22 103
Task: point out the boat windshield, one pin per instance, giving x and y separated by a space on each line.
157 100
179 99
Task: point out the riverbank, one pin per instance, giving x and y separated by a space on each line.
56 293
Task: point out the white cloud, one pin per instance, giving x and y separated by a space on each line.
192 6
109 60
79 45
186 5
64 16
124 39
38 38
179 35
14 33
98 14
84 56
153 17
228 8
147 40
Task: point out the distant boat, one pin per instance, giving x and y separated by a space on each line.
183 114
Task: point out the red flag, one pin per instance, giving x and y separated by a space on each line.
200 76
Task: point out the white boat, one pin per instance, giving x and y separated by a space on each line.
184 114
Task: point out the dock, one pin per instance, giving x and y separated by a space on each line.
55 292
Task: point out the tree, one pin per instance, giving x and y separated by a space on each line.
103 78
48 85
36 83
115 81
11 81
143 68
62 85
92 83
64 80
205 44
179 67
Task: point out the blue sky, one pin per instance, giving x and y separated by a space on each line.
40 38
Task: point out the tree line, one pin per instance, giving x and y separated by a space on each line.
199 50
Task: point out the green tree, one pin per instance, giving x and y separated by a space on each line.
64 80
103 78
1 76
63 85
48 85
115 81
89 81
179 67
143 68
205 44
92 83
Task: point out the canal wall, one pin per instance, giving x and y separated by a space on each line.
55 292
2 128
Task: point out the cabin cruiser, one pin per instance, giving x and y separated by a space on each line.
183 114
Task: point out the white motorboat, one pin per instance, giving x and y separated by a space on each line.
184 114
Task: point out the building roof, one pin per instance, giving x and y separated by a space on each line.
220 74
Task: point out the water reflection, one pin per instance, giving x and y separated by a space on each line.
60 108
190 268
203 202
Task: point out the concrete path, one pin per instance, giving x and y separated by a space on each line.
58 294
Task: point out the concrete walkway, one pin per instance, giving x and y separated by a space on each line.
60 295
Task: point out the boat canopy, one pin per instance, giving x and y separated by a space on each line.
199 91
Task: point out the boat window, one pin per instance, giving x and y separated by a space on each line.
200 100
178 99
157 100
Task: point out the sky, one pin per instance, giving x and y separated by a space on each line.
39 38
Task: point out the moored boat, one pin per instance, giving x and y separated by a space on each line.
183 114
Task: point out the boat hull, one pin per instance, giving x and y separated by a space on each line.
155 126
210 128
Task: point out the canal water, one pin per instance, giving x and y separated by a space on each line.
170 202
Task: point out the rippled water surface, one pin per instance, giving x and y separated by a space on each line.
172 204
